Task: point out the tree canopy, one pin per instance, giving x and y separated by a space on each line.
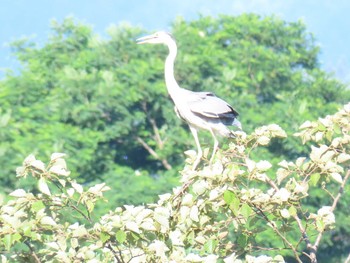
103 102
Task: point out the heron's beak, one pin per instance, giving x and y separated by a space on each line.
143 40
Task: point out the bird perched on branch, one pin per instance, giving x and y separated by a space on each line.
201 110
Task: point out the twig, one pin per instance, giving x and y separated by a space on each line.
119 260
334 205
87 217
153 153
309 246
159 140
35 256
275 229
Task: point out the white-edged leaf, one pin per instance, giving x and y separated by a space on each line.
343 157
55 156
263 165
194 213
70 192
43 187
250 165
59 170
263 140
148 225
29 159
38 165
18 193
337 177
77 187
132 226
47 220
306 124
285 213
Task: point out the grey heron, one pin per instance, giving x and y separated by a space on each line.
201 110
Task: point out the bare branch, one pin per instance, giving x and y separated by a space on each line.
158 139
154 153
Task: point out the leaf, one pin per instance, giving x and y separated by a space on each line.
343 157
285 213
282 174
47 220
43 187
29 159
59 170
120 236
104 237
314 178
18 193
199 187
263 165
132 226
252 222
38 165
77 187
320 224
55 156
210 246
263 140
337 177
37 206
292 211
246 211
194 213
148 225
250 164
277 131
242 240
70 192
79 231
90 205
74 242
6 240
229 197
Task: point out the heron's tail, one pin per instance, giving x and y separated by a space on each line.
237 123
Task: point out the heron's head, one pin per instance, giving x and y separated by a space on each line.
160 37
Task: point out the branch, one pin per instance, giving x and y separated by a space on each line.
35 256
275 229
334 205
309 246
153 153
159 140
119 260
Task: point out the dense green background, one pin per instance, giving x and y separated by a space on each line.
102 101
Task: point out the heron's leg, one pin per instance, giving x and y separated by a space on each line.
199 149
216 146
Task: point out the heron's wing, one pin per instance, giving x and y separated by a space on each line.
206 104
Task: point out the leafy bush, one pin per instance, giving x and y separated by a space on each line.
225 212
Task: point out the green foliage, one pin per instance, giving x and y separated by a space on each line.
222 213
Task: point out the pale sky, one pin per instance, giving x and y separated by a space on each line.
328 19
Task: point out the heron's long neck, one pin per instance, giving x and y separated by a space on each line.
170 81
